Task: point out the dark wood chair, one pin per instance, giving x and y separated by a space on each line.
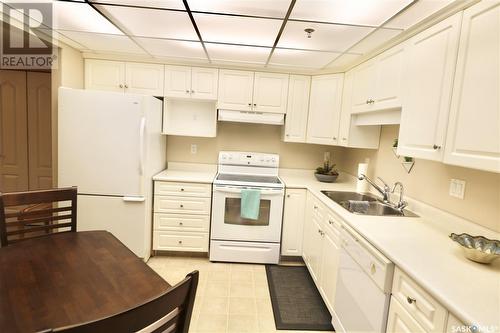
25 215
169 312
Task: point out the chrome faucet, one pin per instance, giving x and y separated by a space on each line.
401 203
385 191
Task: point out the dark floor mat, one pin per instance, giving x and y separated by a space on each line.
297 304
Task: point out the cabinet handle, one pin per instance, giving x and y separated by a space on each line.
344 139
436 147
192 91
187 91
288 195
330 222
180 242
126 86
254 104
334 138
288 135
410 300
249 104
373 268
182 206
121 85
180 223
182 190
367 101
315 207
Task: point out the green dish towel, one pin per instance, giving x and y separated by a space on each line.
250 204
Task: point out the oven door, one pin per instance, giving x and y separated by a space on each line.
227 223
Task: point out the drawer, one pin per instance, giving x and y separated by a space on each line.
400 321
183 189
181 222
422 306
182 205
180 241
334 224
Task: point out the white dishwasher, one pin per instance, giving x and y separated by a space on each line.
363 286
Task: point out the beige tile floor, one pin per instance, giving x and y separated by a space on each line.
231 298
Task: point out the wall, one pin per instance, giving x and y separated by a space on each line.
249 137
429 181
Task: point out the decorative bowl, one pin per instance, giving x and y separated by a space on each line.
478 248
326 178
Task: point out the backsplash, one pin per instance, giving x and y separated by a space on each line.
429 181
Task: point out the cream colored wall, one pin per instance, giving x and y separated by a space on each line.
249 137
429 181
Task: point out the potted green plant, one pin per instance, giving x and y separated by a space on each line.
326 173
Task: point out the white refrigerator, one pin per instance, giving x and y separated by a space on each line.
110 145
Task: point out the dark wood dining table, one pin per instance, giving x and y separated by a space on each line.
70 278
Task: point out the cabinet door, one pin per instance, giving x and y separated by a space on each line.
474 127
400 321
235 90
387 90
316 249
104 75
144 79
270 92
293 222
329 266
178 81
307 229
362 86
430 65
324 109
204 82
297 108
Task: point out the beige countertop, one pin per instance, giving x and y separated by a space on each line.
188 173
422 249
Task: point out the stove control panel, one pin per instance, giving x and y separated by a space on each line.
250 159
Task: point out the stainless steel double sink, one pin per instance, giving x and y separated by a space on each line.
365 204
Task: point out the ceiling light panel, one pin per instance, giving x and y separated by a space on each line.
81 17
238 53
361 12
153 22
274 8
168 4
326 37
374 40
172 48
237 30
417 12
104 42
302 59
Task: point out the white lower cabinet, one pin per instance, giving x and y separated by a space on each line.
293 222
400 321
181 216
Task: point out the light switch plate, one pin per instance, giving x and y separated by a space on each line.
457 188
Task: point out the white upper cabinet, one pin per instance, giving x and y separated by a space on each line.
297 108
362 86
127 77
104 75
270 92
249 91
191 82
430 60
324 109
473 138
235 90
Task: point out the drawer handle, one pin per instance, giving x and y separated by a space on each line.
180 223
182 206
315 207
330 221
182 190
180 242
373 268
410 300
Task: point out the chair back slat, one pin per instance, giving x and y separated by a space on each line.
170 312
25 215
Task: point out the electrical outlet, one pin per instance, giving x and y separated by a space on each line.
326 156
457 188
194 149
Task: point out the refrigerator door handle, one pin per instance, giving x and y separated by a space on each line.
133 199
141 144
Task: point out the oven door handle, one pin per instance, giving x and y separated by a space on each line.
237 190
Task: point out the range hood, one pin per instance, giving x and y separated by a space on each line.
251 117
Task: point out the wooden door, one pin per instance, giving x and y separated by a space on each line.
104 75
39 130
13 132
297 108
204 82
270 92
235 90
178 81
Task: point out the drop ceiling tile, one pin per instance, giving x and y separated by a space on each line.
172 48
81 17
169 4
343 61
104 42
374 40
326 37
153 22
417 12
303 59
362 12
275 8
237 30
238 53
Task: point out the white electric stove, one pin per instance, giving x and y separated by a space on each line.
237 239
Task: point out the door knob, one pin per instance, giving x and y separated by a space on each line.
436 147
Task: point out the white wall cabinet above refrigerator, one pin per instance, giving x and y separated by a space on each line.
473 138
430 66
127 77
191 82
249 91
